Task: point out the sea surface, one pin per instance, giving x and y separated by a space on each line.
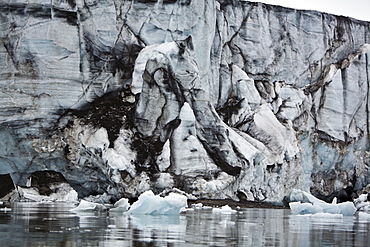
52 224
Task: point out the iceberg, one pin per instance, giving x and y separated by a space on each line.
312 205
304 208
151 204
86 206
121 205
345 208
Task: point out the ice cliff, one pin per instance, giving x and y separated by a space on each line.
218 98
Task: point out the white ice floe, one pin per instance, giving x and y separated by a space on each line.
148 203
345 208
121 205
86 206
224 210
197 206
312 205
5 209
200 206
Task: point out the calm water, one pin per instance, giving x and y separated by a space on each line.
31 224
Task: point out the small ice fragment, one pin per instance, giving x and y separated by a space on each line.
188 210
89 206
5 209
224 210
197 205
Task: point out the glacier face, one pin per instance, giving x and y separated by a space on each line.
221 99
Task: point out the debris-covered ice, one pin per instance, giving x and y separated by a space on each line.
148 203
64 193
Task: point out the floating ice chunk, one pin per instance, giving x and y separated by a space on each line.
224 210
5 209
148 203
197 205
301 196
304 208
304 203
188 210
345 208
89 206
200 206
121 205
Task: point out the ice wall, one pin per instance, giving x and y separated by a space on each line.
222 99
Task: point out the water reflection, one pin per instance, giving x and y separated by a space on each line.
335 231
30 224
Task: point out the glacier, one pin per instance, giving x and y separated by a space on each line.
220 99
